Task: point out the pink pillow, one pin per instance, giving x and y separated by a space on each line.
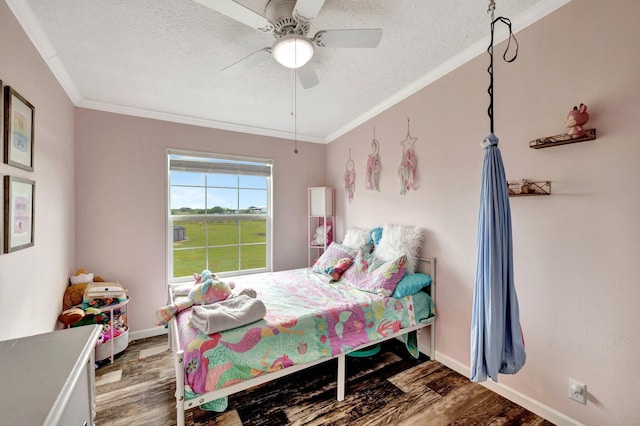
375 275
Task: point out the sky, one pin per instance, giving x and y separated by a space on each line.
194 190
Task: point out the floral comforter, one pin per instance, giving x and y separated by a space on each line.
307 318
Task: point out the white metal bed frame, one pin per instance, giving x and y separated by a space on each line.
183 404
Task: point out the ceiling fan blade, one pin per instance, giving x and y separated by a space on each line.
307 75
349 38
240 13
250 61
306 10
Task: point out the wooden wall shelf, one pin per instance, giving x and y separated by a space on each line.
562 140
528 189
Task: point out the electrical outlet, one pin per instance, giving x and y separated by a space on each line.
578 391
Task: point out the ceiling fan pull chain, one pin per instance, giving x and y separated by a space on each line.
294 112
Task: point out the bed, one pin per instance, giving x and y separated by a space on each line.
309 320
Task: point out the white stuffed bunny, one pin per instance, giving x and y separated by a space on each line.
320 238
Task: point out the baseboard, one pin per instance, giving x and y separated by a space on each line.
424 349
149 332
530 404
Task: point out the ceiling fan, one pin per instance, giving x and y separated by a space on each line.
289 21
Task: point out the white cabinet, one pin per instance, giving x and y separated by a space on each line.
320 221
49 379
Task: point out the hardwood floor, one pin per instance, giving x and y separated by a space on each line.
390 388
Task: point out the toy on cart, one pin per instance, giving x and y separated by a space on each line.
99 294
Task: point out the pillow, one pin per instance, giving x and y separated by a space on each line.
332 255
335 272
411 284
356 237
400 240
375 275
374 236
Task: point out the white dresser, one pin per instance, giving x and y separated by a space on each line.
49 379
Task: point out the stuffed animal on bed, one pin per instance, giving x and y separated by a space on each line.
206 289
336 271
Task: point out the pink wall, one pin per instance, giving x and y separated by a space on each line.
121 197
576 252
32 280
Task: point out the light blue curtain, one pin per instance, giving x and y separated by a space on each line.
497 344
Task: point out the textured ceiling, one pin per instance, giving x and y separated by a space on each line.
163 59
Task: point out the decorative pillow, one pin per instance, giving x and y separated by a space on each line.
411 284
335 272
400 240
375 275
356 237
374 236
332 255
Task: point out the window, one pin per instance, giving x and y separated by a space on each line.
219 214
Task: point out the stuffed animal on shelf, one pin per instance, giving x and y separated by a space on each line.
576 119
106 334
71 316
77 285
92 316
72 297
320 238
206 289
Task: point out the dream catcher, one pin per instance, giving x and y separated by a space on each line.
408 164
372 178
350 178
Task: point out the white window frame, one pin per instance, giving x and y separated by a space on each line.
170 218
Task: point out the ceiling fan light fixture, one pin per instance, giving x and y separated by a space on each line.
292 50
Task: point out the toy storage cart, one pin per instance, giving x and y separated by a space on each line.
114 345
105 303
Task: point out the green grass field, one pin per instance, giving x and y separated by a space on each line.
224 252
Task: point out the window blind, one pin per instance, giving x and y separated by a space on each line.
220 166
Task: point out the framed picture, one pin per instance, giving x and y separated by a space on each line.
2 109
1 213
19 208
18 130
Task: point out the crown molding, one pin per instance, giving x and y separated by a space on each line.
194 121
